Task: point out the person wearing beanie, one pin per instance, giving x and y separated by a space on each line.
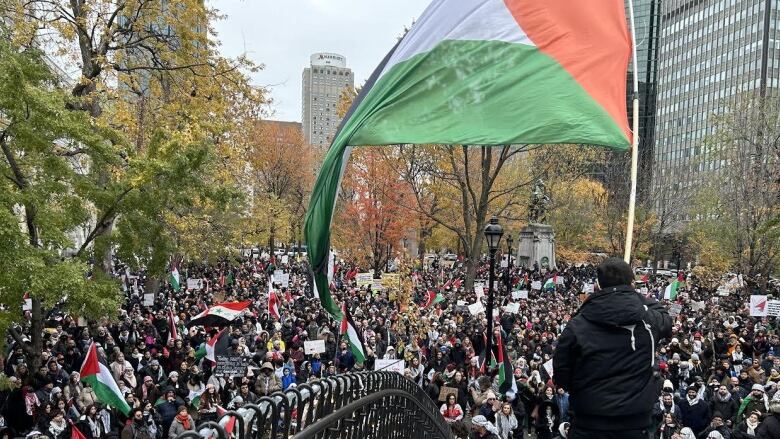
694 413
756 401
717 425
612 338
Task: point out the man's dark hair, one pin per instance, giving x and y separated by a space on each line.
614 272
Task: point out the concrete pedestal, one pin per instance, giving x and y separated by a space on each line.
537 245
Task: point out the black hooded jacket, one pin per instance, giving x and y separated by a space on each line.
605 359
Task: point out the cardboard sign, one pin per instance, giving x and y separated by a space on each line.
520 294
446 391
773 308
536 285
390 365
512 308
758 306
364 279
548 367
194 284
231 366
314 347
675 309
148 299
476 308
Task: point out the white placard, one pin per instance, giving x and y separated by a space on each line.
314 347
282 279
390 365
194 284
364 279
520 294
587 288
148 299
461 303
504 261
479 290
773 308
559 280
548 366
758 306
512 308
285 259
536 285
278 273
476 308
675 309
695 306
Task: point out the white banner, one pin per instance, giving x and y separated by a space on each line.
314 347
695 306
758 306
476 308
390 365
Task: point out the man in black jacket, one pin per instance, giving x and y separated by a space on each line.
605 358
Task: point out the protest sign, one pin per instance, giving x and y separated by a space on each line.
376 285
695 306
282 279
314 347
446 391
390 365
391 280
559 280
773 308
512 308
231 365
504 261
364 279
479 290
587 288
536 285
758 305
148 299
476 308
548 367
194 284
520 294
285 259
674 309
461 303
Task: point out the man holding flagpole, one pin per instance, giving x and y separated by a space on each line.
605 358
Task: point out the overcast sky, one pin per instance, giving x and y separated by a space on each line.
282 34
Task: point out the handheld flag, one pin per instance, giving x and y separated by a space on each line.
485 72
174 278
273 303
350 334
432 299
220 314
173 334
670 293
507 384
102 382
217 345
74 431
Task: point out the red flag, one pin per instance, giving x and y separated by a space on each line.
273 305
681 276
646 278
457 283
231 423
75 433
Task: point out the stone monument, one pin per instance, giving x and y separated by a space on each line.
537 239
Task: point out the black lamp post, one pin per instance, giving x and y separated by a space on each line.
493 233
509 241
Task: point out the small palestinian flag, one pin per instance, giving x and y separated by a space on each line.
194 397
350 334
174 278
102 382
432 299
217 345
506 379
671 290
549 284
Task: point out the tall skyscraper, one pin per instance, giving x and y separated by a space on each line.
323 82
711 52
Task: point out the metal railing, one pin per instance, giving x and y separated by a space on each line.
358 405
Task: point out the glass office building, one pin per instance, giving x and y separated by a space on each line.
710 53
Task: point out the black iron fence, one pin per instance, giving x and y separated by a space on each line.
359 405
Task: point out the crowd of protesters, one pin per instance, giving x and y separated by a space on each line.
718 375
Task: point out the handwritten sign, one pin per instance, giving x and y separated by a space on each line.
476 308
447 391
536 285
364 279
314 347
231 366
390 365
520 294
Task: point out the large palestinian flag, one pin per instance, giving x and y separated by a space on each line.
485 72
99 377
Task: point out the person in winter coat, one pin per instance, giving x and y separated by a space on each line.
752 403
136 427
723 403
694 413
506 422
563 431
482 428
747 428
669 427
181 423
612 339
717 425
547 415
770 427
267 382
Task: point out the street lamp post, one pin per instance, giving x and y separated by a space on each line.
493 233
509 265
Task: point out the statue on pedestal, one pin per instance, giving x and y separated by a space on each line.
537 208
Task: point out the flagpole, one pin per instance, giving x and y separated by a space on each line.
635 140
